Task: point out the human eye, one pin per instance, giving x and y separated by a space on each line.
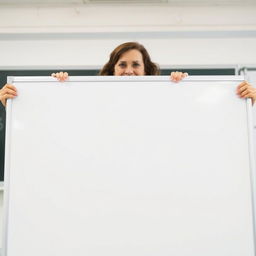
122 64
136 64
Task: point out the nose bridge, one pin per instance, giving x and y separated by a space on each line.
129 68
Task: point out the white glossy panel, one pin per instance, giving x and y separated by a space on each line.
121 167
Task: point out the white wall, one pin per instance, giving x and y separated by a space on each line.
83 35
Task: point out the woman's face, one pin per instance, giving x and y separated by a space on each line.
130 64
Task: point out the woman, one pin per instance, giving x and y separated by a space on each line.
130 59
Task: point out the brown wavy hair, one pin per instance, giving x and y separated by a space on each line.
150 67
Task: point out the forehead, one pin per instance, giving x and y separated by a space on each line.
131 55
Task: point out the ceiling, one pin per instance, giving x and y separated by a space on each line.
171 2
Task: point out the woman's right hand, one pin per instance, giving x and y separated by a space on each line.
7 92
61 76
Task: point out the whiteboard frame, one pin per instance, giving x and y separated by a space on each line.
252 166
123 79
12 79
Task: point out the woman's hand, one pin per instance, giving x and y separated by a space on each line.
245 90
177 76
7 92
61 76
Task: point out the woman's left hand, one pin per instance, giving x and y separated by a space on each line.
245 90
177 76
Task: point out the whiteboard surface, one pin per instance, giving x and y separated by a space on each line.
128 166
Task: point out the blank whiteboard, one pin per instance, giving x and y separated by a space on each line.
121 166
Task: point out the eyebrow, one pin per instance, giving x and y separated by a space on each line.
124 61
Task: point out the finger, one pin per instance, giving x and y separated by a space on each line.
65 76
241 84
9 91
3 98
8 96
62 76
59 76
9 86
53 75
242 93
179 76
242 88
248 94
5 91
172 74
245 90
175 76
